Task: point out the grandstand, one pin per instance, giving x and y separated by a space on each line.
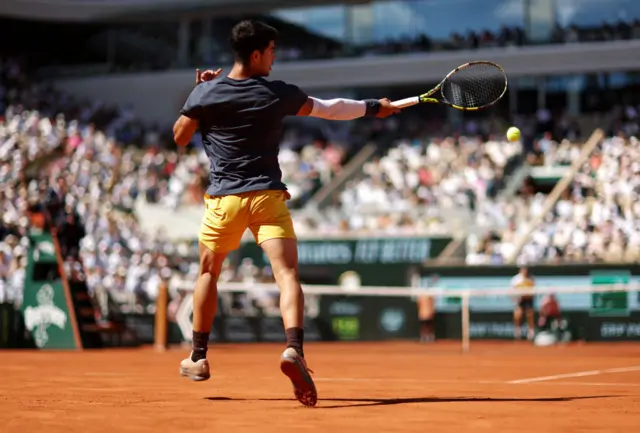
448 177
429 174
99 210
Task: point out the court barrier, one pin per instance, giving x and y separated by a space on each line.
12 330
249 313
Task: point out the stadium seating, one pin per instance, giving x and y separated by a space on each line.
98 182
597 218
152 46
299 44
502 218
291 48
420 185
424 184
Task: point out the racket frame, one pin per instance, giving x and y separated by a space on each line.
426 98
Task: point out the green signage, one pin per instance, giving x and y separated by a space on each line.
362 251
44 305
365 251
369 318
610 304
46 316
346 328
42 249
372 262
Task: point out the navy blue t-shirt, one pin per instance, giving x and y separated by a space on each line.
241 123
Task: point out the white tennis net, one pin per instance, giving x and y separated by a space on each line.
462 304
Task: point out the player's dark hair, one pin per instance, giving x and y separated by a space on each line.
248 36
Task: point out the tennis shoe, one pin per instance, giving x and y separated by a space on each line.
295 368
196 371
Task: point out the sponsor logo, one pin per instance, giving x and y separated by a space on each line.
44 250
620 330
346 328
392 319
344 308
38 319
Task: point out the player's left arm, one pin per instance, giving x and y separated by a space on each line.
183 130
191 113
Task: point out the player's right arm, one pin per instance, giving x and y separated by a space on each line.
346 109
298 103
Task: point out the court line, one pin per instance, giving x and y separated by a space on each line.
576 374
470 382
538 380
585 383
372 379
432 381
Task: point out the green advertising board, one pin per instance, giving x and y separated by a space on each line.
609 304
44 306
46 316
592 316
369 318
499 277
367 261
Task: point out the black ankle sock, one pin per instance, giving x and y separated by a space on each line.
199 345
427 326
295 338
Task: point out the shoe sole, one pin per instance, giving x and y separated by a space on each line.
194 377
303 387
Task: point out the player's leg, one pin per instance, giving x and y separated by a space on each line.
283 256
205 304
222 227
517 322
531 325
273 229
426 313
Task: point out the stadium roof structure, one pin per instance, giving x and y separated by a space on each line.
116 10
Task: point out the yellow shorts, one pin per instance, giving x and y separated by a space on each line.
226 218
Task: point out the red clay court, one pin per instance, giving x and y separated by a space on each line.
363 387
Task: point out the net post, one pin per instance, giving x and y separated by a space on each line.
160 328
465 322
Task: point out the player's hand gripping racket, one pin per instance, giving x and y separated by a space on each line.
470 87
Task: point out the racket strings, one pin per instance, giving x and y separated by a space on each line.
475 86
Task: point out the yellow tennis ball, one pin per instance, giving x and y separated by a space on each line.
513 134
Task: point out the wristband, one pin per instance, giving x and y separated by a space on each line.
373 107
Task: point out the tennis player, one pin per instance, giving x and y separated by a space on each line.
240 117
524 304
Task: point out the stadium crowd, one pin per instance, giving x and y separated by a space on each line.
407 189
66 157
54 159
297 43
594 220
86 182
472 40
598 217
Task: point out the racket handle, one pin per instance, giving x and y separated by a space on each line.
407 102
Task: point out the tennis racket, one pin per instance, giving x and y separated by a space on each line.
469 87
